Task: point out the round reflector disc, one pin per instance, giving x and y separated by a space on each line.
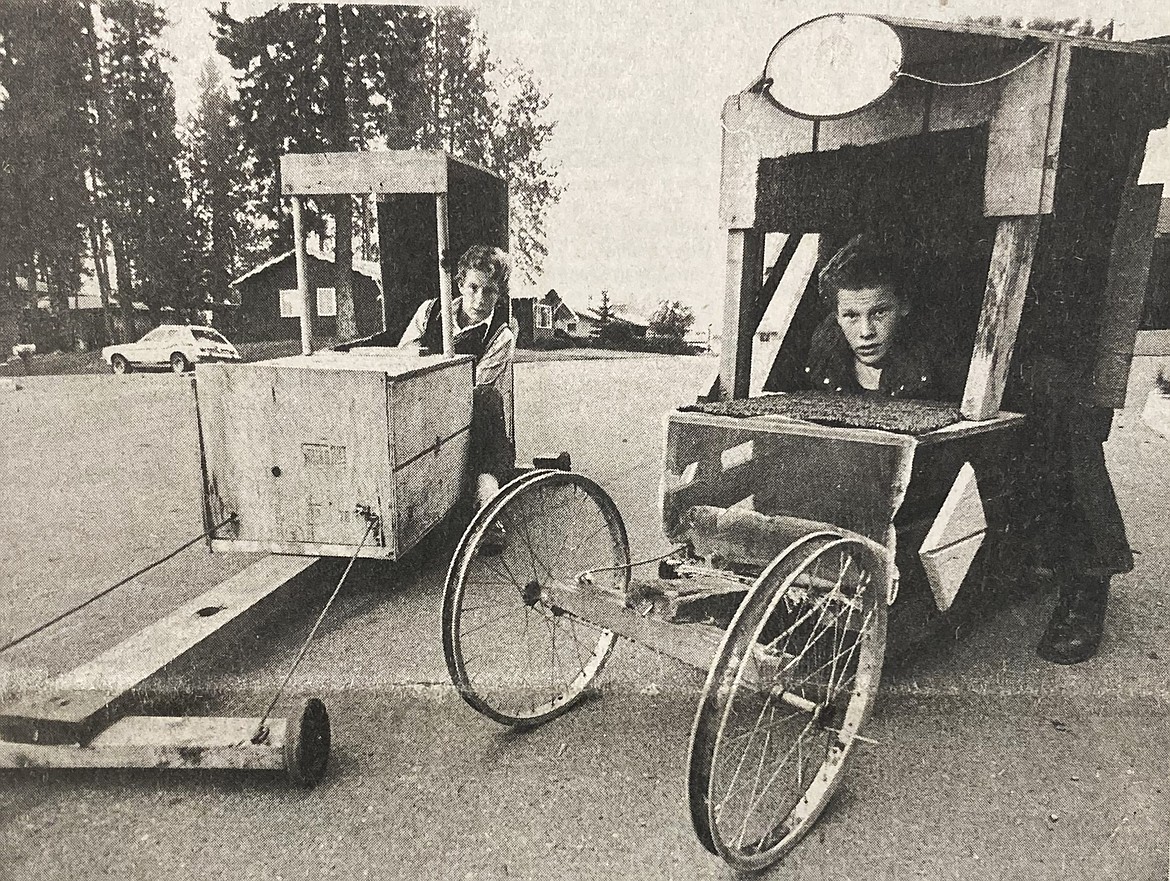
833 65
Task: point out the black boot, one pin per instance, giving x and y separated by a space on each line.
1074 630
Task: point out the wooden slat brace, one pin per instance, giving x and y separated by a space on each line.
744 278
775 276
999 322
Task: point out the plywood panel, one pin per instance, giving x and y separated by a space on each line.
848 479
1023 142
753 128
428 408
428 487
952 108
294 446
389 171
901 113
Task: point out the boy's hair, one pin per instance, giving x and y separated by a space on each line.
492 262
861 263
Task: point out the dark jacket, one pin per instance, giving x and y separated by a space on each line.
908 372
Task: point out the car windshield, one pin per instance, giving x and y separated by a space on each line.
204 334
155 335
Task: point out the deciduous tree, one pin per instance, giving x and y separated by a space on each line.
672 320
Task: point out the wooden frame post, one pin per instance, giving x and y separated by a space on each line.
999 322
304 289
446 309
744 278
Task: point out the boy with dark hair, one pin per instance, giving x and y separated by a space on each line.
862 346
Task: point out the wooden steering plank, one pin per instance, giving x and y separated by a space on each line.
161 742
72 707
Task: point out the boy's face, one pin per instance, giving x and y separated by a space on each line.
870 319
479 295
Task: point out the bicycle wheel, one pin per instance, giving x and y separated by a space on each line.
790 687
514 657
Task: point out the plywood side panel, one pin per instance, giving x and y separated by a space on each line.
1023 142
851 484
901 113
753 128
428 488
428 408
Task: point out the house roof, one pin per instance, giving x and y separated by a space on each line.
618 314
368 268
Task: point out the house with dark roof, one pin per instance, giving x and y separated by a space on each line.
270 304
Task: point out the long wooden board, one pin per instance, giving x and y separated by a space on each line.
162 742
77 704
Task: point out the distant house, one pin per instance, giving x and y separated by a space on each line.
589 322
561 315
82 324
533 319
270 303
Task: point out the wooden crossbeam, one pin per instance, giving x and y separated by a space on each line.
999 322
162 742
775 275
693 644
72 708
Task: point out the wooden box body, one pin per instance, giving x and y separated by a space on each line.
887 486
294 445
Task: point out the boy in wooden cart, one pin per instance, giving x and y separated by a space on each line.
1071 514
483 329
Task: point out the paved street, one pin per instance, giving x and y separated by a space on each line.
989 762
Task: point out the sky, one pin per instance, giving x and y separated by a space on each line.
636 89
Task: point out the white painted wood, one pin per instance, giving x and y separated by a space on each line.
954 538
304 287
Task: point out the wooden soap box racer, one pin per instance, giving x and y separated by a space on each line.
806 519
325 454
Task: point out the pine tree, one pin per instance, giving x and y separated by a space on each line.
140 165
214 189
306 74
493 116
44 135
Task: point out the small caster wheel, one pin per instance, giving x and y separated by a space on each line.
306 744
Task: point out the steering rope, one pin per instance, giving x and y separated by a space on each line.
372 521
12 643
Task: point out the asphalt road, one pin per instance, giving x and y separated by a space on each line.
989 763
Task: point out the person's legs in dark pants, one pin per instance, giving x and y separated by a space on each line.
492 459
1087 535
